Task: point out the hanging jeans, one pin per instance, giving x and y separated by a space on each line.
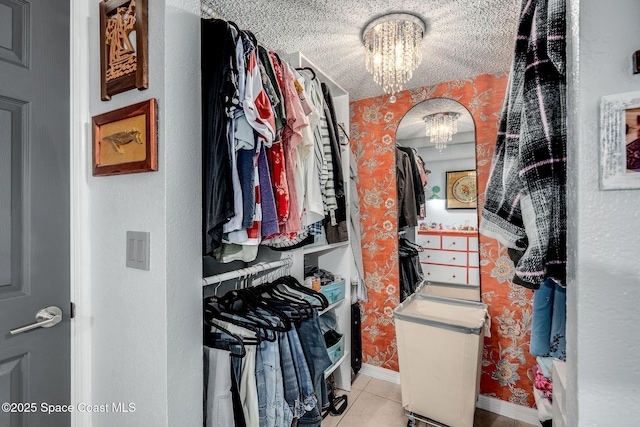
272 408
315 352
549 321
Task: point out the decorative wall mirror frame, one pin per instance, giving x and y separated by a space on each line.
441 225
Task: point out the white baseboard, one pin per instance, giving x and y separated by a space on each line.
508 409
380 373
491 404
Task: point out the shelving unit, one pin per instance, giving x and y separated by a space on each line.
336 258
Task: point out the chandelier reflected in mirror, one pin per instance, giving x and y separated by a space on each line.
441 127
393 49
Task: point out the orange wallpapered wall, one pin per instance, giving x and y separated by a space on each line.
506 364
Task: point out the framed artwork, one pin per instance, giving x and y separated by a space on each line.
125 140
462 190
123 46
620 141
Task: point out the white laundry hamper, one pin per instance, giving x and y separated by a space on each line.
450 290
440 343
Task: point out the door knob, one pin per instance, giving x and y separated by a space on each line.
45 318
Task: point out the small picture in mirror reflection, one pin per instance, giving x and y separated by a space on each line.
632 139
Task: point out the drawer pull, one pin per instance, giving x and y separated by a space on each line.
454 276
454 258
454 243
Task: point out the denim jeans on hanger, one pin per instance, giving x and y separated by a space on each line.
303 375
315 352
272 408
289 379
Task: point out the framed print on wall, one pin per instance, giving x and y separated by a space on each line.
620 141
462 190
123 46
125 140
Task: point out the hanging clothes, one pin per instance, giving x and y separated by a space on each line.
278 356
217 88
411 274
418 188
525 207
407 208
270 146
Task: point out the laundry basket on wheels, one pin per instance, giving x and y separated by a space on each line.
439 353
450 290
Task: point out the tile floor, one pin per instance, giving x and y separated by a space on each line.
377 403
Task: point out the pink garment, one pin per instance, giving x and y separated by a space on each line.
291 138
542 383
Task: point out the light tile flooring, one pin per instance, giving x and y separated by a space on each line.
377 403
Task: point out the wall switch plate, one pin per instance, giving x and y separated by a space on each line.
138 249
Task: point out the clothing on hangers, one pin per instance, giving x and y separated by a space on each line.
262 329
410 268
254 105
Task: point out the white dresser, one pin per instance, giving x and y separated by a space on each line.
450 256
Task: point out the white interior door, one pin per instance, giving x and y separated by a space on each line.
34 212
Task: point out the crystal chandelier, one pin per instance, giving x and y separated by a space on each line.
440 127
393 49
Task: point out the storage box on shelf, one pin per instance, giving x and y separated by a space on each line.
450 256
334 292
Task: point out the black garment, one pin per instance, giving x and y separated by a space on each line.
218 65
334 137
410 268
415 173
339 232
356 338
407 208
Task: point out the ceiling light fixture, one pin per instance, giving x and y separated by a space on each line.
393 49
440 127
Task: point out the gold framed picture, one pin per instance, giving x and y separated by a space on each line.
125 140
462 190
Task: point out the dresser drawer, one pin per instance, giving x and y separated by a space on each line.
428 241
444 257
454 243
473 244
474 259
445 273
474 276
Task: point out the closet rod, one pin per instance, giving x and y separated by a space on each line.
248 271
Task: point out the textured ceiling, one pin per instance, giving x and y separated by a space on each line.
464 38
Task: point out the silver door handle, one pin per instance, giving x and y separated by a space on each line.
45 318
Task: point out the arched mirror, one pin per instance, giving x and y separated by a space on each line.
441 133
